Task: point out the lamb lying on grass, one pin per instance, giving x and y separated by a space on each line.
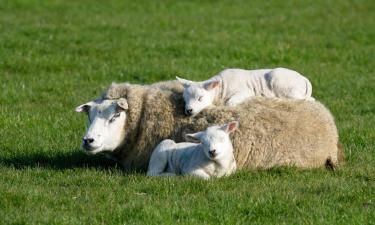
212 157
233 86
273 132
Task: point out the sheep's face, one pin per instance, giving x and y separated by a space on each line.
198 95
215 140
105 131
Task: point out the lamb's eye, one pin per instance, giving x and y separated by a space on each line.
114 117
200 98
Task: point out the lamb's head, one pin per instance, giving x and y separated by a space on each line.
215 140
198 95
105 131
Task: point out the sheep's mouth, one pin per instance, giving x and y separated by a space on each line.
212 154
91 150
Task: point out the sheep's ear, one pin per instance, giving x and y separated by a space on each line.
211 85
123 103
195 138
84 107
230 127
184 82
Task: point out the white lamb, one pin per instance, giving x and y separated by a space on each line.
210 156
233 86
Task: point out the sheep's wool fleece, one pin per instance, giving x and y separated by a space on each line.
272 132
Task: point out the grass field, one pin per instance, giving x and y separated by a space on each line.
55 55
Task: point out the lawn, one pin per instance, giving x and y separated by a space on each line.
56 55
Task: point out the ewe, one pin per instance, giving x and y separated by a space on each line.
233 86
212 157
273 132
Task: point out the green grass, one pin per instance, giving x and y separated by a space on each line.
55 55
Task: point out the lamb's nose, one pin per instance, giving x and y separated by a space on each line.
88 141
212 153
189 111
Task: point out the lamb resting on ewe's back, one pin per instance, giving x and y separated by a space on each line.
272 132
234 86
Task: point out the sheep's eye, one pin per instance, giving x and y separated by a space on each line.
200 98
114 117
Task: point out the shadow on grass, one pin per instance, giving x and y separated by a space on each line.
77 159
59 161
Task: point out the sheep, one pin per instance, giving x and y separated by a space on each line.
273 131
210 156
233 86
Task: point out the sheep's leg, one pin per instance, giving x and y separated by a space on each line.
159 158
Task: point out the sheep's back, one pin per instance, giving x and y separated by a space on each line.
272 132
277 132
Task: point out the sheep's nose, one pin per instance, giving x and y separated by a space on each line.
88 141
189 112
212 153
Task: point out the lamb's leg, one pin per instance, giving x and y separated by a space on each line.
159 158
236 99
286 83
167 174
200 174
310 99
158 162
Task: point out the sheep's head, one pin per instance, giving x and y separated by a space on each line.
198 95
215 140
105 131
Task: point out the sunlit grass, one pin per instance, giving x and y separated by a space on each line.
55 55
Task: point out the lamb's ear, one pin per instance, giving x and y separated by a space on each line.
123 103
230 127
195 138
211 85
84 107
184 82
